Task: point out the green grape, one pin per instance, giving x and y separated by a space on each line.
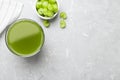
55 7
50 14
50 7
40 11
63 15
52 1
38 5
45 11
46 23
45 4
62 24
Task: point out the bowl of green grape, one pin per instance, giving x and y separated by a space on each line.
47 9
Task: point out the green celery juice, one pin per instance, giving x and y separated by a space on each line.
25 38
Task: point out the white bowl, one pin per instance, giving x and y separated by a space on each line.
46 18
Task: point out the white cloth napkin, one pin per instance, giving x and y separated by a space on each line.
9 12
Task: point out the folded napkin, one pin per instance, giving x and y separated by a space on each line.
9 12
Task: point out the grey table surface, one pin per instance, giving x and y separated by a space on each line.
88 49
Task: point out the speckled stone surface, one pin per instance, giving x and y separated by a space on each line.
88 49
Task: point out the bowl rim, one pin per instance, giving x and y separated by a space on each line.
46 18
29 55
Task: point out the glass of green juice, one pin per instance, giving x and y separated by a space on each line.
25 37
